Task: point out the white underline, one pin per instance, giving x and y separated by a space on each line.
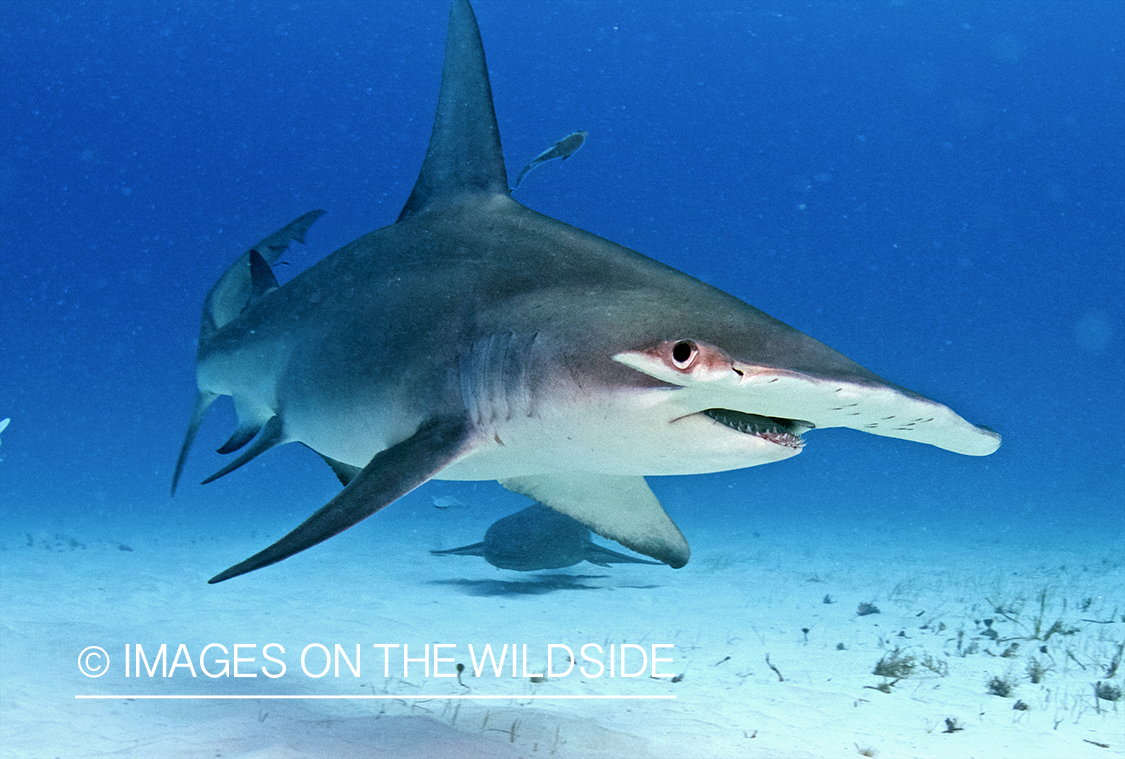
396 698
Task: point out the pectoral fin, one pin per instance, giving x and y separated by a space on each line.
618 508
391 474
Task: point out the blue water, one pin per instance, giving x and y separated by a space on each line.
936 189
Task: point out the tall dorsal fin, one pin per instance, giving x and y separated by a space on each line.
464 155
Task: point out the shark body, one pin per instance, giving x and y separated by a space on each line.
476 339
540 538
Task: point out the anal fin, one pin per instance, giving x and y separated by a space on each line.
615 507
392 473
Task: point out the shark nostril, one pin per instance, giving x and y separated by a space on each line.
684 353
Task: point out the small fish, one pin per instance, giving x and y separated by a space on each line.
563 149
4 424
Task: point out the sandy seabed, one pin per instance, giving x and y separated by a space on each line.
767 653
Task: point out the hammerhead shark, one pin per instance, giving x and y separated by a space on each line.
475 339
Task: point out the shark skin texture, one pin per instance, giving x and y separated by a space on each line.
475 339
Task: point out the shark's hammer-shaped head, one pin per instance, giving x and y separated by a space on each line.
677 377
718 399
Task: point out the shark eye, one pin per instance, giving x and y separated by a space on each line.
684 353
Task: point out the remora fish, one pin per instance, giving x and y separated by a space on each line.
563 149
475 339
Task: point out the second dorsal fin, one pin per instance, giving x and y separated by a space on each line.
262 280
233 290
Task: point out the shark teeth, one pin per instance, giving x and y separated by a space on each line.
785 432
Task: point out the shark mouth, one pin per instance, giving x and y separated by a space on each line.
786 432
